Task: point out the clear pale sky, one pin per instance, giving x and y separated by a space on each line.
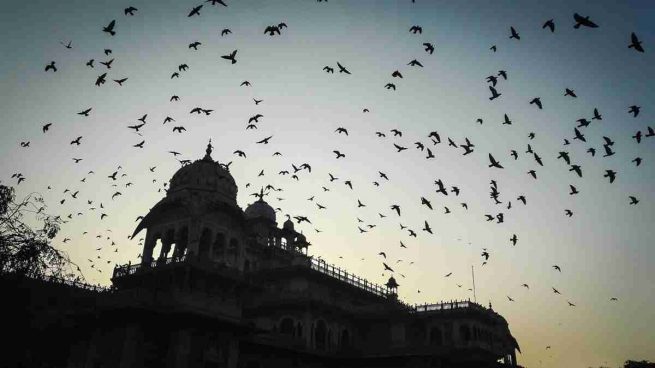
604 250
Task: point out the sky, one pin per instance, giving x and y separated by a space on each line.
604 250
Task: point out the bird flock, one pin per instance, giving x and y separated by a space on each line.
426 145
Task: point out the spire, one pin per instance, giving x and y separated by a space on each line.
208 156
261 194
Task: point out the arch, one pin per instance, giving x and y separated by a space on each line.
465 333
320 334
436 338
156 248
286 326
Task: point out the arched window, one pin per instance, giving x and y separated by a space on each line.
320 334
436 337
465 333
286 326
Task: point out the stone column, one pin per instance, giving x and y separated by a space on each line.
194 239
148 247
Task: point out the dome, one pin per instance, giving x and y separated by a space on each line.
205 175
260 209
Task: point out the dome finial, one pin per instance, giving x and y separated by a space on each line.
261 194
208 156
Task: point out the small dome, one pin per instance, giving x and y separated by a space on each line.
260 209
205 175
288 225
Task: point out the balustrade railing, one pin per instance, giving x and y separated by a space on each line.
455 304
130 269
350 278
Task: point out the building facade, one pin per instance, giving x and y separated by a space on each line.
223 287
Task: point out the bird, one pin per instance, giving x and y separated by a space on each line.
396 74
429 48
101 79
46 127
342 130
494 93
514 34
550 24
633 200
339 154
51 66
416 29
225 31
271 30
578 135
610 174
635 43
179 129
583 21
139 145
110 28
76 141
634 110
574 190
120 81
536 101
390 86
557 268
513 239
569 92
195 11
426 227
194 45
396 208
130 10
214 2
415 62
328 69
342 69
265 140
597 115
107 63
494 163
399 148
69 44
231 57
555 291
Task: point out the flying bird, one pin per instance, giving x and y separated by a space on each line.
635 43
583 21
231 57
110 28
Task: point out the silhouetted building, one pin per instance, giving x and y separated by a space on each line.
223 287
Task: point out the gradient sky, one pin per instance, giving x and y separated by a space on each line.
605 250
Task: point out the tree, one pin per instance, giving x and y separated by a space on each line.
27 249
